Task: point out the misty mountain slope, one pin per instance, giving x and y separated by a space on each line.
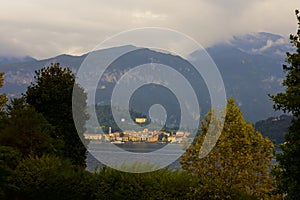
18 76
10 60
262 43
248 74
249 78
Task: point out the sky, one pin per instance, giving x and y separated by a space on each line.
44 29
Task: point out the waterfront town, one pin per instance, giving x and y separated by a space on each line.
145 135
139 136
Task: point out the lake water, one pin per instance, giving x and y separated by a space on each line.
156 153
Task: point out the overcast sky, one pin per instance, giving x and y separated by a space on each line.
43 29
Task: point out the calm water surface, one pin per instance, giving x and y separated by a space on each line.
144 148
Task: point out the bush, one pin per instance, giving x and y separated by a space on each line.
48 177
9 159
161 184
212 189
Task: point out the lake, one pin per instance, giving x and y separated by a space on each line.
158 153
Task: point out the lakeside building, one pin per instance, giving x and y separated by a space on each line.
139 136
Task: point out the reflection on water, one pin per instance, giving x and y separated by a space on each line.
141 147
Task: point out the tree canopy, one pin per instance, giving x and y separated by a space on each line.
289 101
26 130
288 170
241 159
3 98
51 94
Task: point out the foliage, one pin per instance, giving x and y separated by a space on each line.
49 177
289 101
240 160
161 184
41 123
26 130
9 159
3 98
288 170
212 189
51 95
106 119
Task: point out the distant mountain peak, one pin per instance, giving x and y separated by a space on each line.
249 65
263 43
11 59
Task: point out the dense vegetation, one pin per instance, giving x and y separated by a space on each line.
106 119
51 95
37 130
288 170
240 160
42 156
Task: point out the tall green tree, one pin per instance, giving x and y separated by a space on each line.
51 95
9 159
50 177
26 130
288 170
240 160
3 98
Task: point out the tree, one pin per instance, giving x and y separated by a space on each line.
50 177
240 160
164 184
288 169
51 95
9 159
3 98
26 130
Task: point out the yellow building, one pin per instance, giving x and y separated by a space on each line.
171 139
134 138
92 136
140 120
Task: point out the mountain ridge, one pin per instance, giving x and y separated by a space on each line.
12 60
248 75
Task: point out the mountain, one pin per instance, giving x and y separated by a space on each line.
275 127
249 77
267 44
10 60
250 65
18 76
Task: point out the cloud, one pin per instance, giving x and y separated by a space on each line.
47 28
270 43
141 17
